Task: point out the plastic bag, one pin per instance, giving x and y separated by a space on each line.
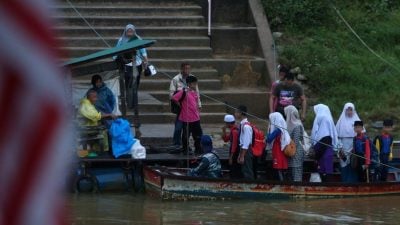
122 139
138 151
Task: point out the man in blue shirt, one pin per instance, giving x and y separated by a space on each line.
209 165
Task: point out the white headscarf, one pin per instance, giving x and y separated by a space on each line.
323 125
278 122
344 125
124 39
292 118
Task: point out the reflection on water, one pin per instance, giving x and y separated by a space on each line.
128 209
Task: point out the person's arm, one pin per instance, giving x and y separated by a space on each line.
367 153
90 112
203 166
273 135
303 107
198 94
172 87
225 135
176 97
111 99
246 138
143 53
391 152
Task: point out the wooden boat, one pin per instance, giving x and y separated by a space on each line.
173 184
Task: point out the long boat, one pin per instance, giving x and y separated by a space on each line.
173 184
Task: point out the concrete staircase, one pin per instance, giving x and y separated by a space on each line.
181 33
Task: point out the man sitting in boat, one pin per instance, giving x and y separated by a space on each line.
89 116
209 165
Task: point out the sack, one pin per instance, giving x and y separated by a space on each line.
258 142
138 151
315 178
121 137
306 142
175 107
290 149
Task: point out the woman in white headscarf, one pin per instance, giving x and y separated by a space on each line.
325 138
345 129
295 129
279 137
133 65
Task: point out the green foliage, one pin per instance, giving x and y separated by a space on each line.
296 13
339 68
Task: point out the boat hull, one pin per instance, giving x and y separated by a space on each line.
172 187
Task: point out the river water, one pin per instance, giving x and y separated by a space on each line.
132 209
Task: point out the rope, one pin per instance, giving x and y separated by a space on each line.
87 22
249 114
264 120
362 41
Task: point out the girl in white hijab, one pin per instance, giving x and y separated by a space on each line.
279 137
345 129
295 129
324 137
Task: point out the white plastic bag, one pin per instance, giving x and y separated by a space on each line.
138 151
315 178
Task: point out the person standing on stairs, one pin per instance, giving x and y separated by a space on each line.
133 65
177 84
190 114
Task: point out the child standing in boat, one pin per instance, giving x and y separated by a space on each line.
384 144
324 137
190 114
362 150
233 138
279 138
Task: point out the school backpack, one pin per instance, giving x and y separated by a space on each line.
378 140
175 107
374 154
258 143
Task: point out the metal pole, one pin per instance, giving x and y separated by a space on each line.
209 18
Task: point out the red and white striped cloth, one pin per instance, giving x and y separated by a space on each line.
34 124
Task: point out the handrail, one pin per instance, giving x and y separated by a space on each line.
209 19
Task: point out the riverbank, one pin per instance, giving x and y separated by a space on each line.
339 68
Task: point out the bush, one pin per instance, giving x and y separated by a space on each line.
296 13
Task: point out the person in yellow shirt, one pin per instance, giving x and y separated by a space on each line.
90 116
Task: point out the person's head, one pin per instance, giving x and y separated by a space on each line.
97 81
92 96
191 82
358 126
206 143
283 70
241 112
130 30
229 120
185 69
349 110
387 125
289 79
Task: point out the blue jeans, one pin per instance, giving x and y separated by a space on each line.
178 132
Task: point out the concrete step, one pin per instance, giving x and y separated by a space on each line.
156 52
161 41
126 10
131 3
145 31
167 117
201 73
161 134
165 107
163 84
140 21
222 96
